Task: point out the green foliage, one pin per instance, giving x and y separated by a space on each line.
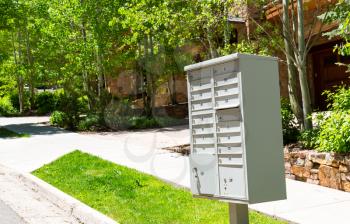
334 127
339 100
46 102
310 138
335 132
132 197
289 125
340 14
6 107
91 122
59 119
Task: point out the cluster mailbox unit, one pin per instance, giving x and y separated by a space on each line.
236 134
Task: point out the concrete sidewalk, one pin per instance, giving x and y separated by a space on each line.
306 203
20 204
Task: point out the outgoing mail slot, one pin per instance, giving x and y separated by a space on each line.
200 84
229 127
205 129
226 79
229 138
229 115
202 105
227 90
203 139
201 95
230 149
230 160
232 181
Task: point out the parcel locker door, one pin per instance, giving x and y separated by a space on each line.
232 182
204 174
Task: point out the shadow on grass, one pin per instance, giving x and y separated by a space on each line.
5 133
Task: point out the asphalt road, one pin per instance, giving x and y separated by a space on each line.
7 216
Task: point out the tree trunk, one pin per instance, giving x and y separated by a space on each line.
305 92
30 72
292 71
147 101
212 48
20 80
172 89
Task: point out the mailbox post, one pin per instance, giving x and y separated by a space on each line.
236 133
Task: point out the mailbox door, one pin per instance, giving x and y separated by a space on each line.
204 174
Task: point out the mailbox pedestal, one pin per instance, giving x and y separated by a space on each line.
236 133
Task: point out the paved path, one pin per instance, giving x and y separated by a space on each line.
142 150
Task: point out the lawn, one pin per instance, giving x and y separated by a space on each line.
131 197
5 133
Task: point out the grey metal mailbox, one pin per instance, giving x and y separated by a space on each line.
236 134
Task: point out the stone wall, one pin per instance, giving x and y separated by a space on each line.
325 169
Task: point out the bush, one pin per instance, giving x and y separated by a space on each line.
310 138
59 118
338 100
334 133
289 124
89 123
45 102
6 107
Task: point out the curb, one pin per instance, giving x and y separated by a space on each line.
78 210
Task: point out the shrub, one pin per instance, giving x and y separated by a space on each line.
310 138
338 100
335 132
45 102
89 123
6 107
289 124
59 118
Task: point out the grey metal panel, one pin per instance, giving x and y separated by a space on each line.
204 174
263 131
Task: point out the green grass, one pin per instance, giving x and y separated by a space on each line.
129 196
5 133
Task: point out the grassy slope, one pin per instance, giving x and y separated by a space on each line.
129 196
5 133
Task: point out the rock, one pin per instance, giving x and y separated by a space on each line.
287 167
343 168
290 176
309 164
319 158
314 171
311 181
345 176
346 186
300 162
329 177
313 176
300 171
